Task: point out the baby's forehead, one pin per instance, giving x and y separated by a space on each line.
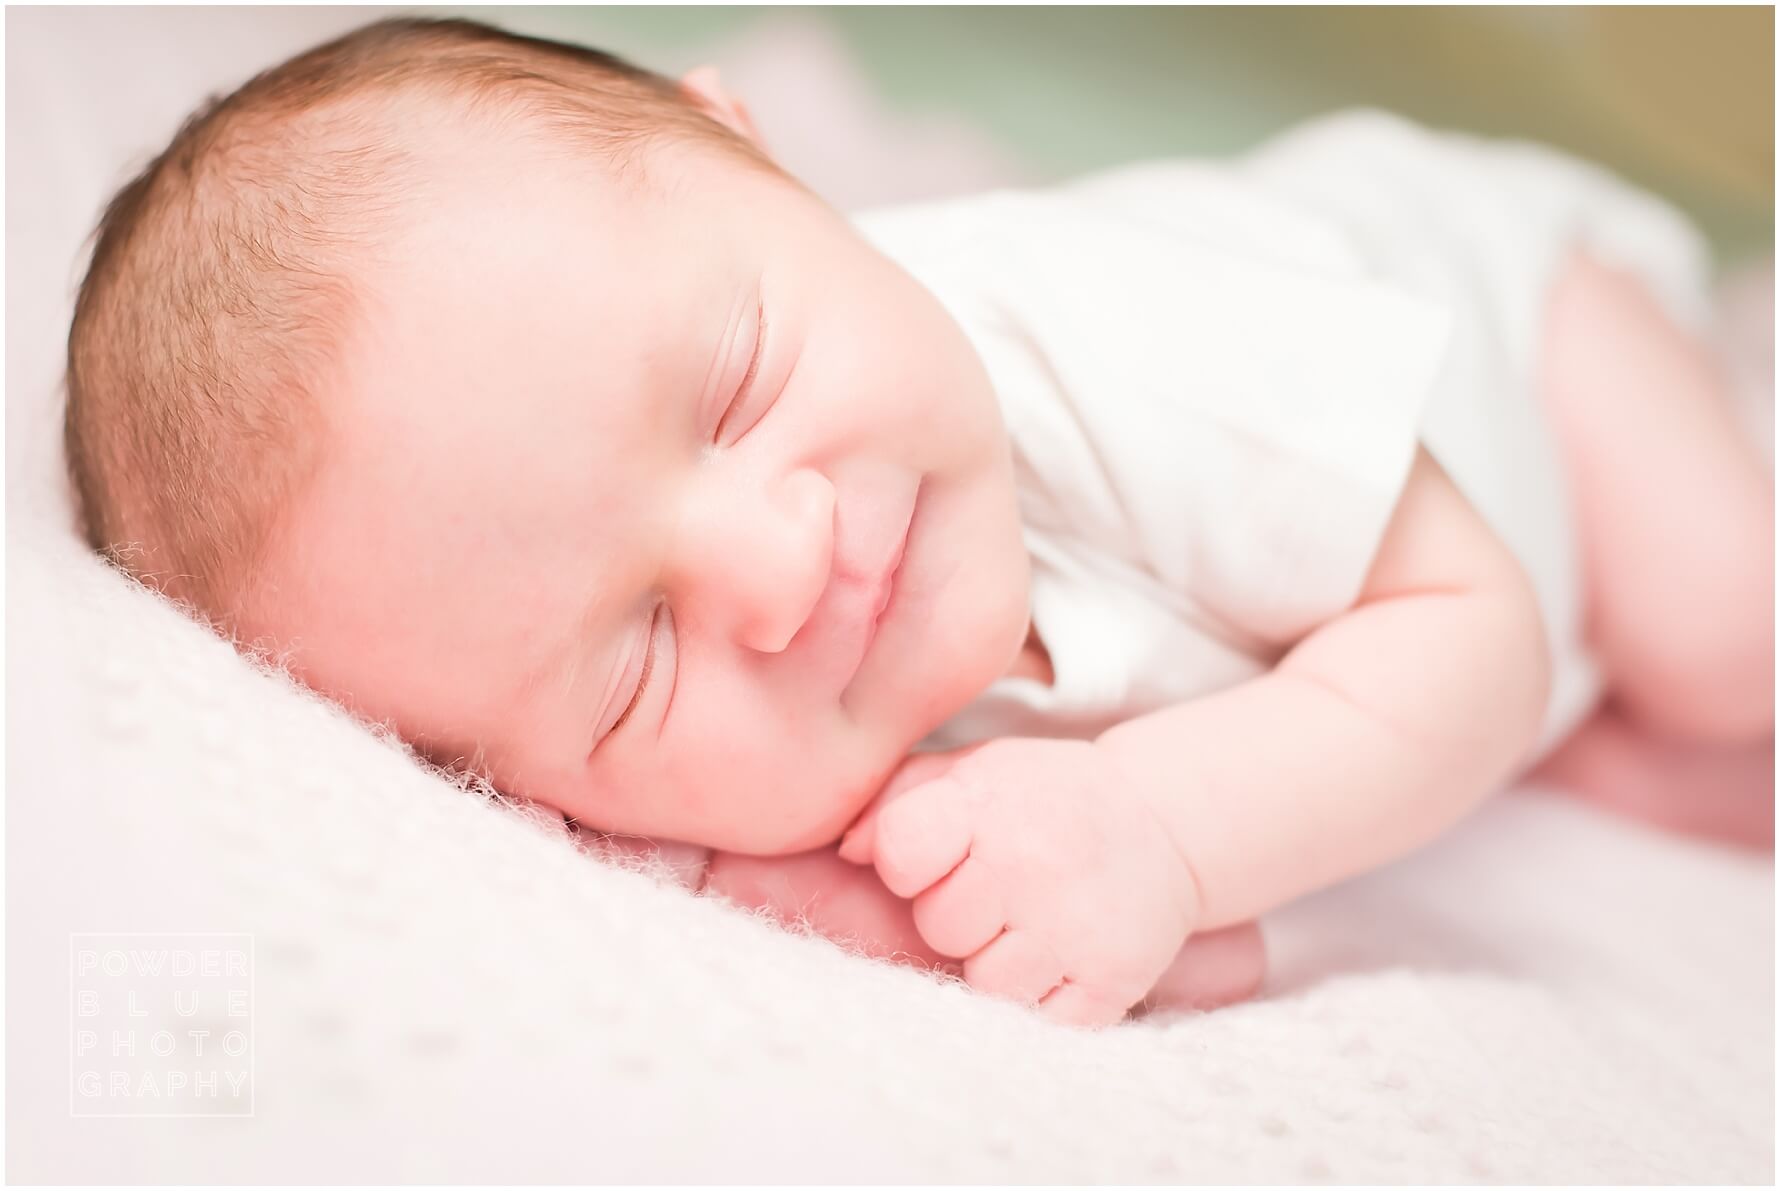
489 344
502 320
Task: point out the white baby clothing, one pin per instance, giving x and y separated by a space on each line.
1215 374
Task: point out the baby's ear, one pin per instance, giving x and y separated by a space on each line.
703 86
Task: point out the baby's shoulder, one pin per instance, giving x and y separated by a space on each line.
1167 214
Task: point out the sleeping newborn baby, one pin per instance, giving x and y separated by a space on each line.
1043 585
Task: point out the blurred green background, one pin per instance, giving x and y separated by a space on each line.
1678 99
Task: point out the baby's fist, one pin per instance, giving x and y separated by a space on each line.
1034 862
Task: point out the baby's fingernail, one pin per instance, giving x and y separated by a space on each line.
852 846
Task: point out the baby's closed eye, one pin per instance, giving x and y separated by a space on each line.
745 386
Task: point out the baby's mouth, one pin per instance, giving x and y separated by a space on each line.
887 586
857 608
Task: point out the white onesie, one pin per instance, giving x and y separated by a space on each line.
1214 376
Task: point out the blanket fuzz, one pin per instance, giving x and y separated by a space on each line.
448 990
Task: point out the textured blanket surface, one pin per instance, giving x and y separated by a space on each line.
444 990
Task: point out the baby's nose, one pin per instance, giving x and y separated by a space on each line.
764 557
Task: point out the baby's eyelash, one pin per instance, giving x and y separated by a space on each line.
642 680
753 369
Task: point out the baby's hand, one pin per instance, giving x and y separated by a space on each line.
1035 863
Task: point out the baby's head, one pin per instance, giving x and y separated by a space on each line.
450 365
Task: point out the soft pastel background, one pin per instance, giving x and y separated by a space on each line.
446 992
1677 99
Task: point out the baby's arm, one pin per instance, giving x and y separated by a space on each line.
838 900
1374 734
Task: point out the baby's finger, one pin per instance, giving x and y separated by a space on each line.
922 836
1079 1004
961 914
1018 966
856 844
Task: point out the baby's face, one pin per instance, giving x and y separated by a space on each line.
593 430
